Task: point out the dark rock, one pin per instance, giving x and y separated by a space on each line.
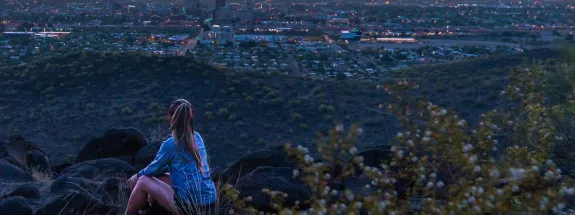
248 163
15 205
11 173
104 168
26 191
76 202
60 167
65 183
146 155
39 160
116 143
116 188
273 178
17 148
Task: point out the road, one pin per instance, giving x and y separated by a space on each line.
190 44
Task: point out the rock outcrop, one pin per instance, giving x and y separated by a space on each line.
15 205
115 143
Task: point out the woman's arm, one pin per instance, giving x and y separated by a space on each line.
160 163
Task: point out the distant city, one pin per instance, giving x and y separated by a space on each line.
357 39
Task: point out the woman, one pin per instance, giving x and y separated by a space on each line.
188 188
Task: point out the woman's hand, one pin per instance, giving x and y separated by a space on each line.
132 181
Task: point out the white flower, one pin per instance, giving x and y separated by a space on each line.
410 142
308 159
399 135
426 139
473 159
295 172
353 150
494 148
549 162
428 133
535 168
339 128
499 192
414 159
549 174
381 206
429 184
515 188
480 190
327 176
440 184
477 169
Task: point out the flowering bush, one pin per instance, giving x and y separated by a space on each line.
440 163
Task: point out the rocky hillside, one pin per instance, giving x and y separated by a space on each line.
61 103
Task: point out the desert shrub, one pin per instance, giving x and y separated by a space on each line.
326 108
443 166
154 106
127 110
294 103
303 126
232 105
223 112
209 115
209 105
90 106
233 117
296 117
249 99
239 123
243 136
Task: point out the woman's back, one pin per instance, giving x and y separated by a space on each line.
189 182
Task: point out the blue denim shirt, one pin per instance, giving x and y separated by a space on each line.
188 182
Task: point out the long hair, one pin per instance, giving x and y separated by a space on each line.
181 114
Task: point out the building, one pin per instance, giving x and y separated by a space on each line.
350 35
113 6
220 3
218 33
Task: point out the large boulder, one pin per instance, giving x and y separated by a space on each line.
29 191
76 202
276 179
65 183
146 155
39 160
17 149
11 173
101 168
250 162
116 143
15 205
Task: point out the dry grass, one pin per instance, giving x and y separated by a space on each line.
157 134
44 177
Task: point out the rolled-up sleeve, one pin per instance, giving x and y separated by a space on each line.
160 163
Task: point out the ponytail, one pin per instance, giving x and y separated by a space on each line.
183 132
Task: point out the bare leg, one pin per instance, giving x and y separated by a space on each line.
154 187
164 178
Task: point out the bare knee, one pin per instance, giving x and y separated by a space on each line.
144 181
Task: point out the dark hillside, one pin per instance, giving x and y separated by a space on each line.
64 102
61 103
